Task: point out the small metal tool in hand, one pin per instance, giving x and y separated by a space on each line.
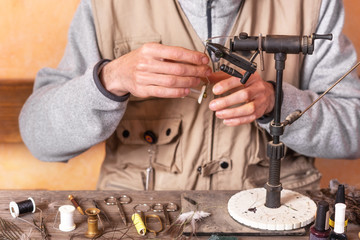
123 199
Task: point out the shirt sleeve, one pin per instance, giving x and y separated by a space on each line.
69 111
330 129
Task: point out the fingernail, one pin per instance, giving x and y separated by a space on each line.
205 60
208 72
219 114
217 89
212 105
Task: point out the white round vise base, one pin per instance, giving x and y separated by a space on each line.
248 207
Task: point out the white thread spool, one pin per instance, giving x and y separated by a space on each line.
67 218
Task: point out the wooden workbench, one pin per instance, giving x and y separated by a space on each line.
219 222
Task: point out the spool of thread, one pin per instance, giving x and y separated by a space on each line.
67 218
19 208
139 224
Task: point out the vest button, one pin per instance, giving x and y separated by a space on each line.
125 133
224 165
199 169
168 131
150 137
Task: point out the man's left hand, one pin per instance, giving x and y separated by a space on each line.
245 102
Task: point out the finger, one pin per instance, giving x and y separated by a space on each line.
232 82
245 113
178 54
178 69
216 77
238 97
246 109
239 121
162 92
145 78
226 85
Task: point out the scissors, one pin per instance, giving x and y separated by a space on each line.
123 199
165 208
158 207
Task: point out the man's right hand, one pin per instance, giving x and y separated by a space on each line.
155 70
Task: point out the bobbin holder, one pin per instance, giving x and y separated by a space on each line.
280 46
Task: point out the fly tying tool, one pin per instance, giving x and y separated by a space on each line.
165 208
123 199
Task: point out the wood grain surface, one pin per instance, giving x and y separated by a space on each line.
211 201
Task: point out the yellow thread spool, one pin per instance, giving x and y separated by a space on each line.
139 224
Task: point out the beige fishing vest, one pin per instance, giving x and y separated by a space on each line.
194 149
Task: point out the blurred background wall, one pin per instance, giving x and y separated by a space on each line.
32 36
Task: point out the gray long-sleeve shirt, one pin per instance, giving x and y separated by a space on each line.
67 113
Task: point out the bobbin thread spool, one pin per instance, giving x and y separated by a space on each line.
18 208
93 229
139 224
67 218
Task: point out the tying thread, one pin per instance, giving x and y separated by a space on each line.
67 218
18 208
139 224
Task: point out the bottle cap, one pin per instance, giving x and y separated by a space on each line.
322 216
339 218
340 194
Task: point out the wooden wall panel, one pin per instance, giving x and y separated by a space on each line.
13 94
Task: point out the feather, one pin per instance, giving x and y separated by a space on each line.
177 228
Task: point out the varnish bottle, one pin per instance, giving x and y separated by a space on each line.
340 198
338 233
320 230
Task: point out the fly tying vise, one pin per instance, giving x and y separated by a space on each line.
203 92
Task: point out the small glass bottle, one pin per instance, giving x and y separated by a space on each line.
340 198
320 230
339 225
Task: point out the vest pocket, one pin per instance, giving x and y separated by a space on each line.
126 45
134 149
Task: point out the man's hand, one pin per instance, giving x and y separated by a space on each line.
245 103
155 70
